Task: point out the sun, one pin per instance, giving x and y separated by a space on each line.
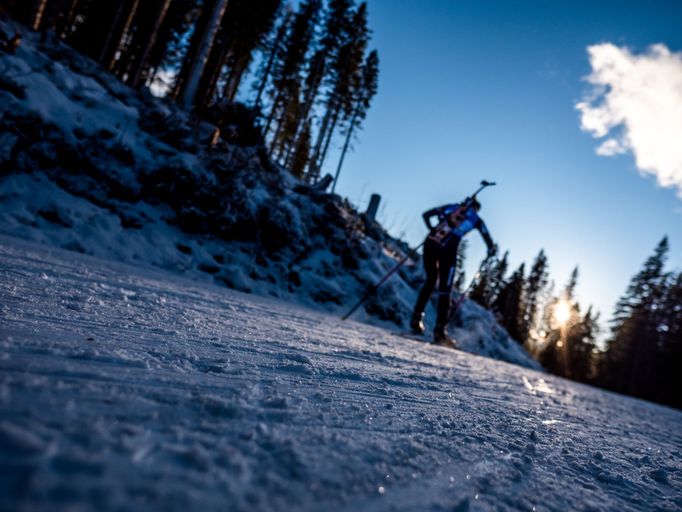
562 312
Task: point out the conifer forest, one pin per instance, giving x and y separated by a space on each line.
301 79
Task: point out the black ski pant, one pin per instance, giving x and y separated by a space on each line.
439 265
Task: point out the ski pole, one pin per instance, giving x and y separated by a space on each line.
374 288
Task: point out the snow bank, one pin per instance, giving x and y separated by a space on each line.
89 165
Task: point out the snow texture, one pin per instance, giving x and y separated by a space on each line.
89 165
132 388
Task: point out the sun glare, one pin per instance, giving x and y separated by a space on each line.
562 312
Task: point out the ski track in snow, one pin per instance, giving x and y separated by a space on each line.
125 388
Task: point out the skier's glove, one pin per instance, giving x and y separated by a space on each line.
492 251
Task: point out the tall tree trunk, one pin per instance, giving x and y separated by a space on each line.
214 66
279 36
266 75
345 145
335 119
197 67
109 55
317 73
38 13
273 111
236 75
66 19
114 34
142 63
313 168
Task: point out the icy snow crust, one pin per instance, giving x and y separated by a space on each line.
125 388
89 165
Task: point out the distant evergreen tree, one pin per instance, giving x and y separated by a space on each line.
580 345
668 380
490 282
510 303
537 281
554 354
633 362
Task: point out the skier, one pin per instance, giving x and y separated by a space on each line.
440 258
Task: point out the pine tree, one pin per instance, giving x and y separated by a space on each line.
580 344
337 21
287 71
249 32
172 41
559 332
669 363
273 47
630 353
490 282
302 153
362 93
138 73
344 73
537 281
198 61
510 303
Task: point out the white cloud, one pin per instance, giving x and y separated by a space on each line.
636 100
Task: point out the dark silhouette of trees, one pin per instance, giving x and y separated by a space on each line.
314 76
490 282
345 71
510 304
287 76
642 357
537 281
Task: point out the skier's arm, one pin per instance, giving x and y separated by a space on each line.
483 229
433 212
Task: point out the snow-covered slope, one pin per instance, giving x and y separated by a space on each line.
89 165
124 388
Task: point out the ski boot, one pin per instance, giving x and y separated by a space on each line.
417 323
442 338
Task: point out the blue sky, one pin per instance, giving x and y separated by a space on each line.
487 90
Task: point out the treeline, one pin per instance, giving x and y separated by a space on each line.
306 75
643 352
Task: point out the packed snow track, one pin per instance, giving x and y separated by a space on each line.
125 388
